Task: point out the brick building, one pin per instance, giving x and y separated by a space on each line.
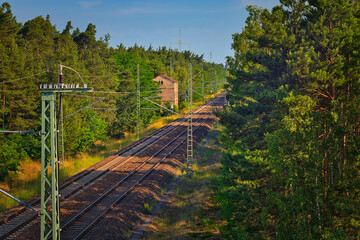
169 88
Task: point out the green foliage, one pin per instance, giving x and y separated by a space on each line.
10 155
34 47
167 105
243 195
93 129
294 94
151 63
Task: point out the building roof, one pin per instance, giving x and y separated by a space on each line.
167 78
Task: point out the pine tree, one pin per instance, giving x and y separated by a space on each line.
294 93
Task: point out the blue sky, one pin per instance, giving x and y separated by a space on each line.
207 25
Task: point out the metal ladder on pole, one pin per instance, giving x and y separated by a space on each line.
138 104
61 134
50 192
189 160
202 82
50 220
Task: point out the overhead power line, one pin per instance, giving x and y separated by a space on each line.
28 132
75 95
113 92
163 107
161 96
198 93
84 108
105 109
63 66
125 92
24 77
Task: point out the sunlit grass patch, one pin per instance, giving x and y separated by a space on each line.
23 185
26 183
191 212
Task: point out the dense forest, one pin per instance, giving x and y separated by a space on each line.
291 169
30 54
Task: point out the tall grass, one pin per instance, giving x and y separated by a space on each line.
26 183
192 212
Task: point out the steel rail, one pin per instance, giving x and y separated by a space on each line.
97 165
83 232
81 187
86 172
77 178
77 216
124 160
66 184
90 206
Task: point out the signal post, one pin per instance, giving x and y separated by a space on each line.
50 194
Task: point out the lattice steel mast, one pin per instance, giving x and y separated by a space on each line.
50 198
138 123
189 160
50 221
202 81
171 68
180 42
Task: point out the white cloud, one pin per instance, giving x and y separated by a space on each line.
89 4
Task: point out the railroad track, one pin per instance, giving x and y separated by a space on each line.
134 172
22 217
13 223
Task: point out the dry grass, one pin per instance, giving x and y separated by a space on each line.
191 212
22 185
26 183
